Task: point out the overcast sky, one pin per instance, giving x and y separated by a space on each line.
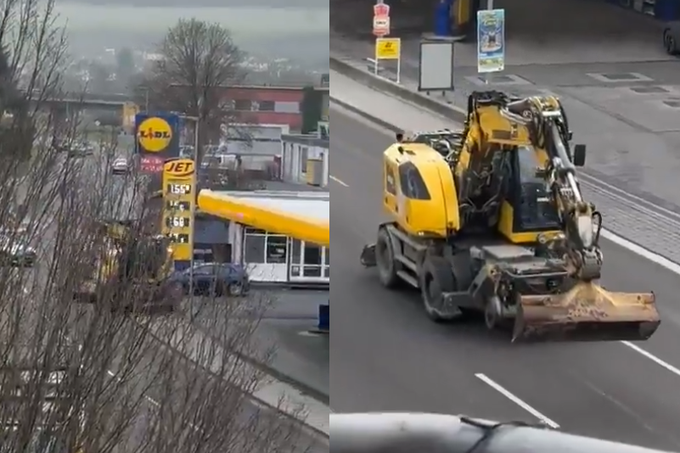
284 32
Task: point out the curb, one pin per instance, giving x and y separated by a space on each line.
259 401
387 86
372 118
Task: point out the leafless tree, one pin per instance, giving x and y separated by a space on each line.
106 376
199 61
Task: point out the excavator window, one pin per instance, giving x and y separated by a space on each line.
390 185
412 183
532 205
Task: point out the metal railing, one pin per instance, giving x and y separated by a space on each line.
437 433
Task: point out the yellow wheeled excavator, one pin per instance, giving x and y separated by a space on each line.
491 218
132 270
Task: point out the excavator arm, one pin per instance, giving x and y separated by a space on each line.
585 310
548 130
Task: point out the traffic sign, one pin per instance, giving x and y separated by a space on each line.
387 48
381 19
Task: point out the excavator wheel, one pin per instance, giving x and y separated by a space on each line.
436 278
385 262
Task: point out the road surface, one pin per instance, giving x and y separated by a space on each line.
386 355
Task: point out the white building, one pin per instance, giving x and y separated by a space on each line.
305 159
276 257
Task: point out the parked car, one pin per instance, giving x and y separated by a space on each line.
671 38
16 253
80 149
120 166
215 279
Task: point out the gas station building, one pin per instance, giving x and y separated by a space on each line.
282 236
281 233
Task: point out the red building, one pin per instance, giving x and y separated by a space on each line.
264 104
267 104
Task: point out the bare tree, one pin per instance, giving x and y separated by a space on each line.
199 62
88 363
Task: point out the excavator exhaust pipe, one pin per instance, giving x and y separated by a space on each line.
587 312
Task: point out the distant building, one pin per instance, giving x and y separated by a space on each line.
278 105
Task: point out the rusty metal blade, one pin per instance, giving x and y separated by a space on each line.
587 312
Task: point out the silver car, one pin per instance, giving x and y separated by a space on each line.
120 166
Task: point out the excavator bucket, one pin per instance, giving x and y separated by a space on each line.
587 312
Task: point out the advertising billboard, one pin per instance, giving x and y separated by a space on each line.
157 140
179 198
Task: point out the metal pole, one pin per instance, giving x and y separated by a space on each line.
488 76
399 67
192 218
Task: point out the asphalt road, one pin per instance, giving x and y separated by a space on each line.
386 355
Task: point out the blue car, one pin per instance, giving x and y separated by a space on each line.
223 279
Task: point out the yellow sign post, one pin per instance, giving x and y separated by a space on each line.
130 110
388 49
179 199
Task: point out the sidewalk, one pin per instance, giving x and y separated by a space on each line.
640 222
620 90
194 344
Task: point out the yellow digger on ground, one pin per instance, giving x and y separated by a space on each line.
132 271
492 219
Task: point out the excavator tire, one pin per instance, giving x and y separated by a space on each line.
436 278
385 262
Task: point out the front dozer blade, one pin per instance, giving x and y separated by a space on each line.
587 312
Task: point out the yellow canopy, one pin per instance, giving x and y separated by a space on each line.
304 218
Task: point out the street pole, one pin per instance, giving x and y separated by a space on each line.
194 185
192 217
488 76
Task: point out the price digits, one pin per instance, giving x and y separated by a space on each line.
175 205
179 189
179 238
177 222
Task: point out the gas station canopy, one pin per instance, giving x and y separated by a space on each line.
302 215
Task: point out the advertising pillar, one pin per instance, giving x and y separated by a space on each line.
179 199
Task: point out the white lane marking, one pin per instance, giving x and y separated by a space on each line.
661 261
641 251
653 358
509 395
338 180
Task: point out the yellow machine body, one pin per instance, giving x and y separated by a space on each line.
125 261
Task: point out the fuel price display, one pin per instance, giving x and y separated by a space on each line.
178 206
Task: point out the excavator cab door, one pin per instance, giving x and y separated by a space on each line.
533 210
